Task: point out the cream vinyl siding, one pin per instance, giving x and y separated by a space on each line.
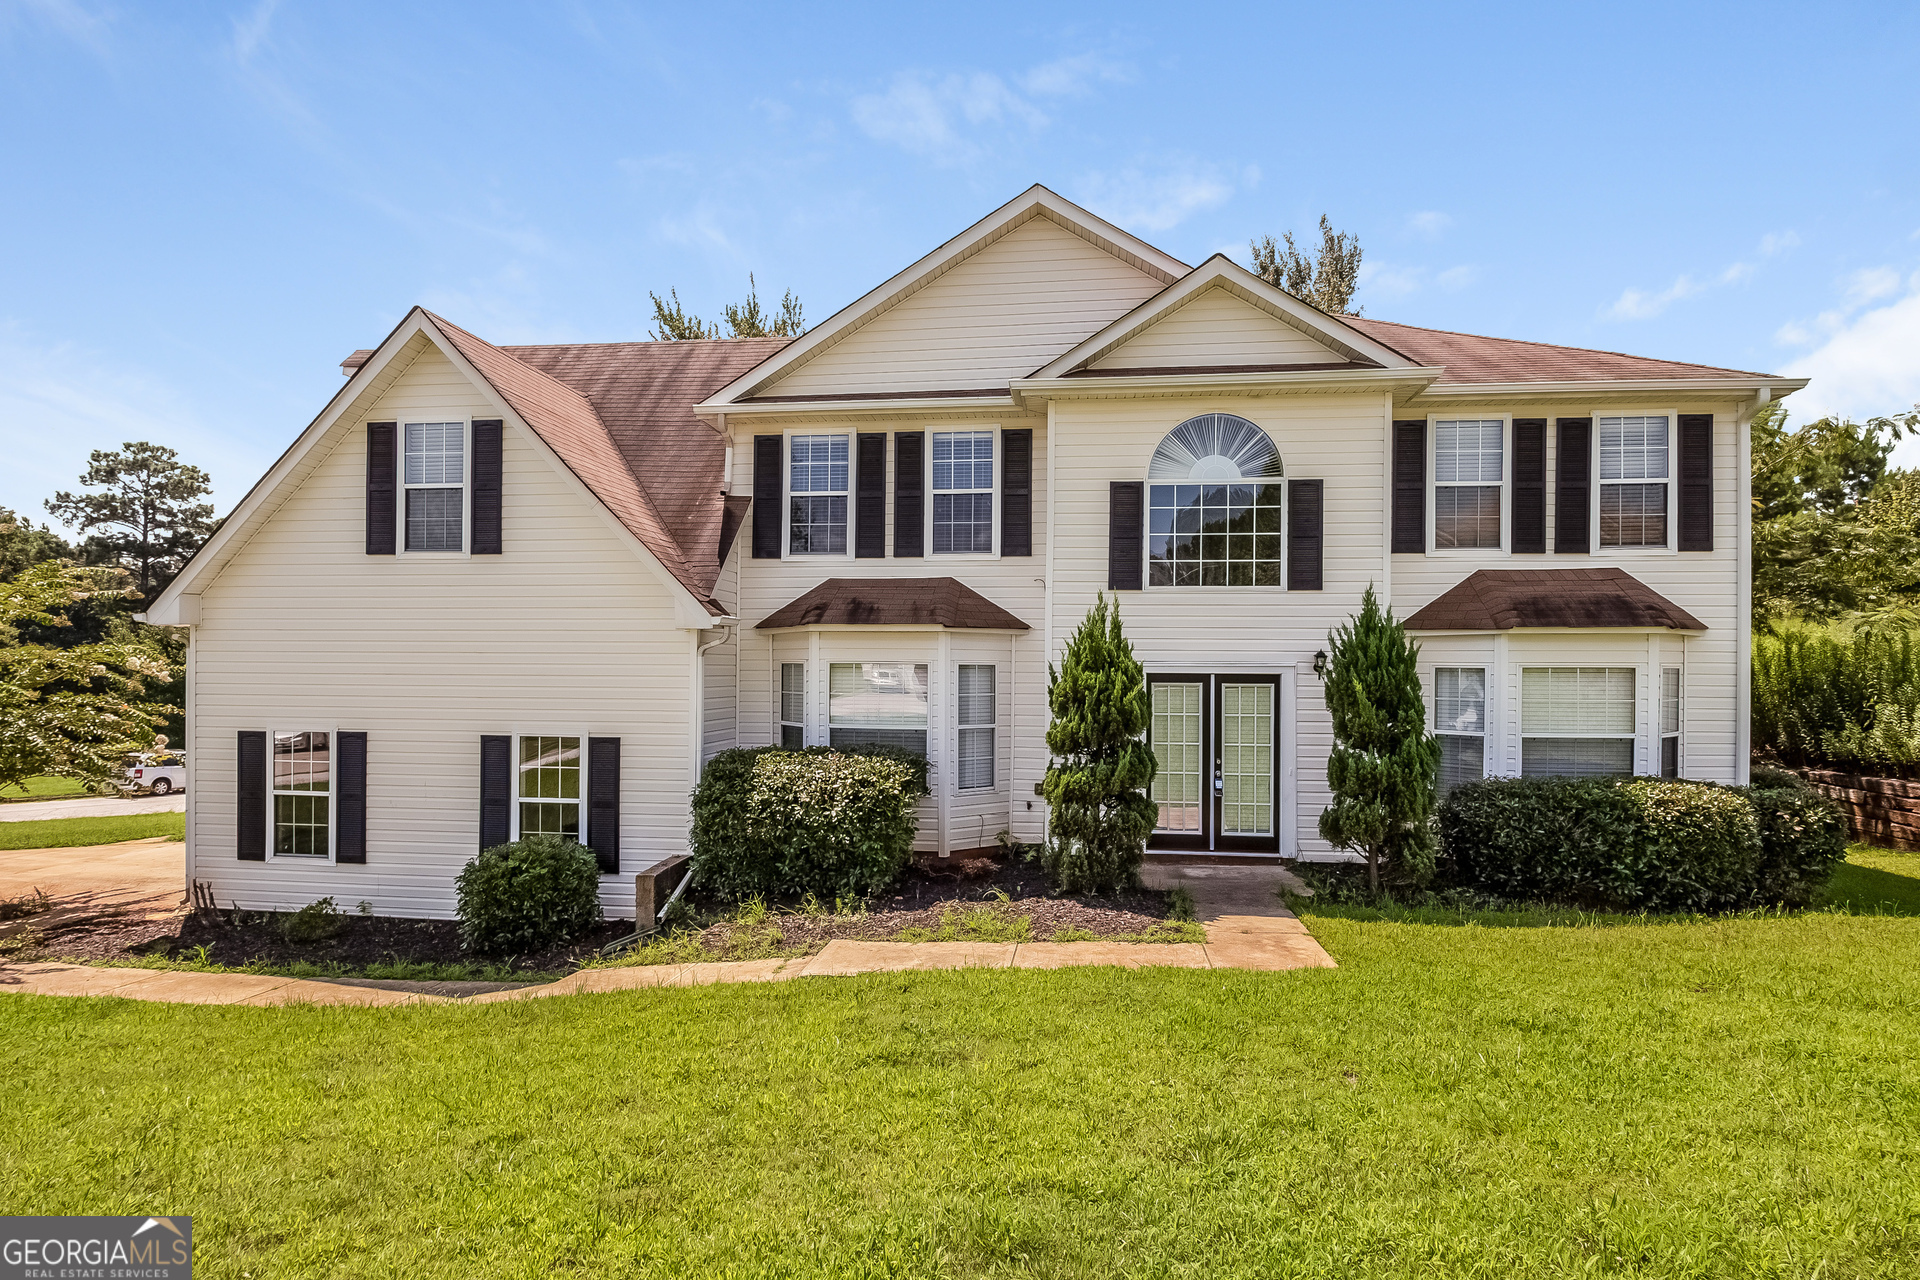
1217 328
1705 584
1012 582
567 632
998 315
1253 630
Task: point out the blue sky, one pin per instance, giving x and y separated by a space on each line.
207 205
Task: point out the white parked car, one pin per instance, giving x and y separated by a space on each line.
158 773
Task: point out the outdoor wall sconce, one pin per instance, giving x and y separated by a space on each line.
1320 663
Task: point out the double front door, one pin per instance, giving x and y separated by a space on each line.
1217 740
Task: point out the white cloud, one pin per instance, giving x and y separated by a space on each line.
1870 284
251 32
1428 224
1778 242
1380 278
69 18
1637 304
1071 77
1868 364
1140 200
1456 278
928 115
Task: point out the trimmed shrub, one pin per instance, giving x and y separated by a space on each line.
1803 837
526 896
775 823
1643 844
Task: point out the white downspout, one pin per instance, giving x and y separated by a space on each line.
1743 574
724 631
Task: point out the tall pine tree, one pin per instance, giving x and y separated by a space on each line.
1383 761
1096 785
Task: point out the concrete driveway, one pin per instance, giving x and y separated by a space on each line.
91 807
136 879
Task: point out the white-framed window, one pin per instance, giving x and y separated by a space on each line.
546 789
1469 483
1460 722
1669 722
818 473
1576 721
793 705
877 703
1635 465
962 485
1216 506
977 707
302 794
433 485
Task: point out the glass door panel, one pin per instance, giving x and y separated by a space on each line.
1246 758
1179 786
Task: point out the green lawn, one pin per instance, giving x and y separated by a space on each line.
1726 1098
43 788
64 833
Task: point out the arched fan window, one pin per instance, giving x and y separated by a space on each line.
1214 506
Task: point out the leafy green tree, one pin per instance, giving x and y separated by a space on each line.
21 544
1326 281
1383 763
70 711
1096 784
151 512
672 322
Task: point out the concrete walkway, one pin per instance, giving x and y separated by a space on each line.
91 807
1248 927
134 879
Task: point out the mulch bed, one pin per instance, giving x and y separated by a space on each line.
931 888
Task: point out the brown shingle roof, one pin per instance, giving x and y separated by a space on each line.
893 602
1501 599
1470 358
620 416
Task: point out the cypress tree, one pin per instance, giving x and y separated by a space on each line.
1383 761
1096 784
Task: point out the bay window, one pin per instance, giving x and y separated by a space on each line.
977 709
1669 722
877 703
793 705
1460 722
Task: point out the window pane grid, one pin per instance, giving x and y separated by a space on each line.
436 453
434 519
549 787
1468 470
1468 452
434 475
962 491
1633 448
817 509
1466 516
302 777
1246 759
1633 515
1175 738
1214 535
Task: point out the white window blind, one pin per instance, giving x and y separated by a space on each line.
976 706
434 473
817 499
1633 474
1460 722
1468 470
793 705
1669 722
877 702
1576 721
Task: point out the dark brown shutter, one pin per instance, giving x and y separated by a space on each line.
1016 493
1126 504
381 498
1696 482
909 511
1573 485
1305 537
766 497
603 802
496 789
1529 486
250 808
1410 486
350 797
870 496
486 488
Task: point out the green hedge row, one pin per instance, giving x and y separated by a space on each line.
1643 844
776 823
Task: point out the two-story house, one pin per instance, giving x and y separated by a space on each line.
492 591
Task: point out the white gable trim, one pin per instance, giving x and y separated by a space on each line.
1035 202
179 604
1222 272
